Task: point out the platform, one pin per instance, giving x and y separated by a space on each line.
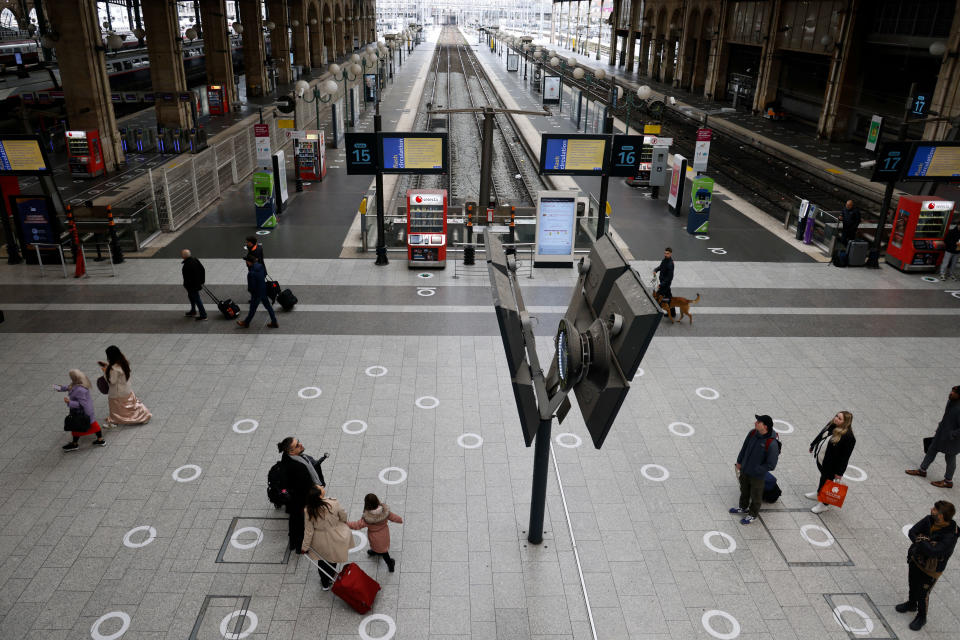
401 376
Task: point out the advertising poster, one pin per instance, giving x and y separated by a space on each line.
702 150
370 87
873 135
280 178
513 61
555 226
36 223
338 123
701 195
679 164
551 89
261 136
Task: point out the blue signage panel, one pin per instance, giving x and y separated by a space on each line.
573 155
413 152
934 161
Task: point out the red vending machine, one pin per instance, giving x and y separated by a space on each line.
916 242
427 228
311 156
86 156
217 101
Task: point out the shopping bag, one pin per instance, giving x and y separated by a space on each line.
832 493
926 444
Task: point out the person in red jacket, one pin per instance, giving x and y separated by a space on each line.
375 517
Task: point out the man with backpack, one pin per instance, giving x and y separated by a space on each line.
758 456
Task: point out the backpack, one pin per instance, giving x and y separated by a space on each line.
277 486
766 443
771 490
841 259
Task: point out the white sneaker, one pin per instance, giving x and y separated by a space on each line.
820 507
942 277
812 495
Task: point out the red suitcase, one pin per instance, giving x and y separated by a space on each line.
354 586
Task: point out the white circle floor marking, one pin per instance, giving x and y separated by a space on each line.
360 545
788 428
391 627
425 275
426 292
376 371
861 474
363 427
478 441
423 400
384 472
124 625
151 536
707 393
716 613
245 420
857 631
639 372
815 527
309 393
227 619
906 530
263 232
674 428
561 439
929 279
702 237
731 543
235 538
645 472
196 473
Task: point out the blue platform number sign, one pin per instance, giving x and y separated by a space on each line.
921 104
361 153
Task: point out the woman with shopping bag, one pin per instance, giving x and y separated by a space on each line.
832 449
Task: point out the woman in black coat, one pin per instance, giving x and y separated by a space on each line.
832 449
301 473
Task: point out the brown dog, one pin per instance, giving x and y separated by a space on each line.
683 304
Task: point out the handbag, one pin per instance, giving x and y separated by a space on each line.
102 385
833 493
926 444
77 420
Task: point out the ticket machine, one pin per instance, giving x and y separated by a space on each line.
311 156
85 153
217 101
916 242
263 199
426 228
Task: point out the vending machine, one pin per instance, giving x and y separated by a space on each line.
263 199
311 156
427 228
920 223
86 156
217 101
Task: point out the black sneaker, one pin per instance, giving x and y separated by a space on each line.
200 318
918 623
71 446
904 607
391 563
190 314
100 443
371 552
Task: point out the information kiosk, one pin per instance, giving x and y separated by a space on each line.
263 199
916 242
427 228
86 156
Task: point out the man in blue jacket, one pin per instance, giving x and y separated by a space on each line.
932 542
758 456
257 286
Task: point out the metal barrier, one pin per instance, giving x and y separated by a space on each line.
63 262
826 225
479 268
99 265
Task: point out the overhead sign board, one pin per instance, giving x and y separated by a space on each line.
362 158
413 152
890 161
573 155
625 156
934 161
22 155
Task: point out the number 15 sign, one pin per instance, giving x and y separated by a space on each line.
362 153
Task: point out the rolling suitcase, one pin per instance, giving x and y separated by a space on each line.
352 585
286 299
857 251
273 290
227 307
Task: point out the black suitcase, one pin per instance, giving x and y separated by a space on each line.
857 251
273 290
229 308
286 299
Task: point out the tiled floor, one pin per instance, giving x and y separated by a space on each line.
167 532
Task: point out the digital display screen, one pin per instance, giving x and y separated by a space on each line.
555 227
551 89
934 161
21 156
574 155
412 153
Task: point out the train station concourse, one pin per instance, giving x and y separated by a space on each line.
434 319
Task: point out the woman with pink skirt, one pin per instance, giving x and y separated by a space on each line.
125 408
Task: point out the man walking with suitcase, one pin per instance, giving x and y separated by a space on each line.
257 286
194 277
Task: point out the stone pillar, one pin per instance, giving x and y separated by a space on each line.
280 40
632 38
842 81
769 71
614 23
216 40
83 74
714 86
166 63
254 51
643 66
946 95
301 42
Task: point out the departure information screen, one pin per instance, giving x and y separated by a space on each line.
581 155
932 161
555 226
413 154
21 156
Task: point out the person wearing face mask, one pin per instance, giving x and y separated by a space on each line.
832 449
